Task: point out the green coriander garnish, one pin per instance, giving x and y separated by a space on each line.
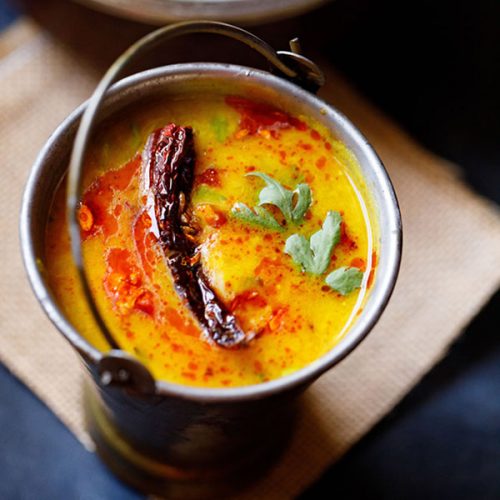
205 194
345 279
136 139
314 254
293 204
276 194
258 216
221 128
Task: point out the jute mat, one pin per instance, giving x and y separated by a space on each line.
450 267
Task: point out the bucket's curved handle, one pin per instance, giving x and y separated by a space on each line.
290 65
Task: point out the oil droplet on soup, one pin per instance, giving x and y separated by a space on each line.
291 315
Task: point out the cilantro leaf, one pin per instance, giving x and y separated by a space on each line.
205 194
136 135
221 128
345 279
298 248
258 216
276 194
314 255
323 241
304 199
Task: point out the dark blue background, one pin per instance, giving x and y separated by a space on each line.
433 66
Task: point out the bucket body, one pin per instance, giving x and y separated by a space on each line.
179 448
180 441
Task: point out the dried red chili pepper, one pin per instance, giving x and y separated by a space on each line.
169 174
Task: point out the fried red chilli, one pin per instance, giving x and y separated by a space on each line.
169 162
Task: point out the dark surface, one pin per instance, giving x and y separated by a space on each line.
435 67
7 14
40 459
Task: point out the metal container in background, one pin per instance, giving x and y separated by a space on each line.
180 441
247 12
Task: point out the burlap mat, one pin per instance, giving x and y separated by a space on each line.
450 268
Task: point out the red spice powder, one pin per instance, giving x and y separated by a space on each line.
320 162
210 177
315 135
99 196
359 263
258 117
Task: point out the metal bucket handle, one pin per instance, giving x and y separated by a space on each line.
118 367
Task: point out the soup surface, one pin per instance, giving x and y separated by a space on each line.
264 184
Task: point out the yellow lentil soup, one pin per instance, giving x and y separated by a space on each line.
282 235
